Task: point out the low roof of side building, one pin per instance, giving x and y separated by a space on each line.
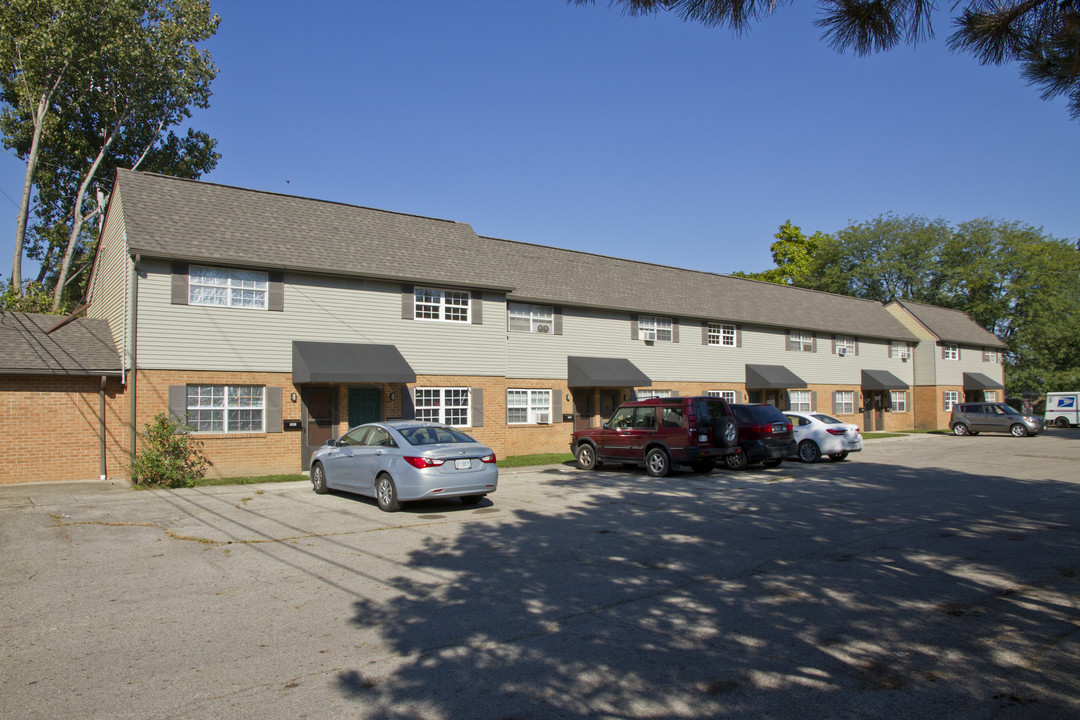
197 221
36 344
952 326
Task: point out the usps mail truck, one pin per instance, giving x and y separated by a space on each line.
1062 409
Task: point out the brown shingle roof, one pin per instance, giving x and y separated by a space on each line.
198 221
81 346
954 326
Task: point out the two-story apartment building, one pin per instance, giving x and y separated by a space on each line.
273 322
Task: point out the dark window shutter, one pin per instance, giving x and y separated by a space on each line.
738 336
408 403
476 302
179 284
907 401
273 409
476 403
705 333
556 406
856 346
833 344
813 401
813 342
787 345
675 330
557 321
943 351
275 293
178 402
633 327
408 300
959 353
944 398
835 397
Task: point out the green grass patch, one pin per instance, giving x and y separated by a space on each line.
529 460
209 481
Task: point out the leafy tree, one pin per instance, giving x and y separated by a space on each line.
883 259
1042 35
116 77
793 254
33 298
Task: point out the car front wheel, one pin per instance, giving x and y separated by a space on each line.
736 461
960 429
386 494
1018 430
318 479
658 463
809 451
586 456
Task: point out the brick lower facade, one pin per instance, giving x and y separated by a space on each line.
51 429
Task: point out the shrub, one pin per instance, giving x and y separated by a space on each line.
170 457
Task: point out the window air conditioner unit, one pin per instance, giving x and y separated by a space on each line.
543 419
841 351
903 358
543 328
648 335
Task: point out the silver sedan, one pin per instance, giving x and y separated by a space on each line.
403 460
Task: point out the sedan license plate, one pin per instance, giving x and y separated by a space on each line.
462 464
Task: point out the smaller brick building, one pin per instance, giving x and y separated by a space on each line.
62 413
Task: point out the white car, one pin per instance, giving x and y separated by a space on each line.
818 434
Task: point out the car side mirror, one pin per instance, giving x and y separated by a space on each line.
332 442
607 426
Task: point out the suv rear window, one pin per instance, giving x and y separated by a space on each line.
708 411
751 414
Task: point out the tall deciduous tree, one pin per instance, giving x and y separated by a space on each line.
1043 36
129 81
793 254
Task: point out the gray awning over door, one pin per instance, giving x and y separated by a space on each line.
978 381
604 372
325 362
772 377
881 380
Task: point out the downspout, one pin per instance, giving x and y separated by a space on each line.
132 385
101 410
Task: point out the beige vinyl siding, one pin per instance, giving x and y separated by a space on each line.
926 356
951 372
112 267
316 308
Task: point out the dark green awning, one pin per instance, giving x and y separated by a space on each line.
325 362
604 372
881 380
772 377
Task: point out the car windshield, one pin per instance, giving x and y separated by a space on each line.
426 435
827 419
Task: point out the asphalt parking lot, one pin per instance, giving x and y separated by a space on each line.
926 577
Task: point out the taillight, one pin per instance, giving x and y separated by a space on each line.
834 431
488 458
423 462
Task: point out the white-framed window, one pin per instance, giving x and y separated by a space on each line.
844 345
950 352
655 328
952 397
522 317
225 408
990 395
844 402
722 335
899 400
990 356
727 396
899 351
225 287
445 305
647 393
449 406
801 400
801 340
525 406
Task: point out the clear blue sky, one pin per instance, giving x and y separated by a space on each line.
644 138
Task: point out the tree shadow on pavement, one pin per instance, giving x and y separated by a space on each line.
888 592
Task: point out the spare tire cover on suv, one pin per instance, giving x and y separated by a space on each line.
715 416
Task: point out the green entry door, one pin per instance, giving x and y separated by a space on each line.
364 405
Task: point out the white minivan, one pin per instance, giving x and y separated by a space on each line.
1062 409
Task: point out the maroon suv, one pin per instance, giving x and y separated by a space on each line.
661 432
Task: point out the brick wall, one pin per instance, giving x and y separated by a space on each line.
930 406
50 429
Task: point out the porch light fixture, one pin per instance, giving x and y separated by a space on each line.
292 397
